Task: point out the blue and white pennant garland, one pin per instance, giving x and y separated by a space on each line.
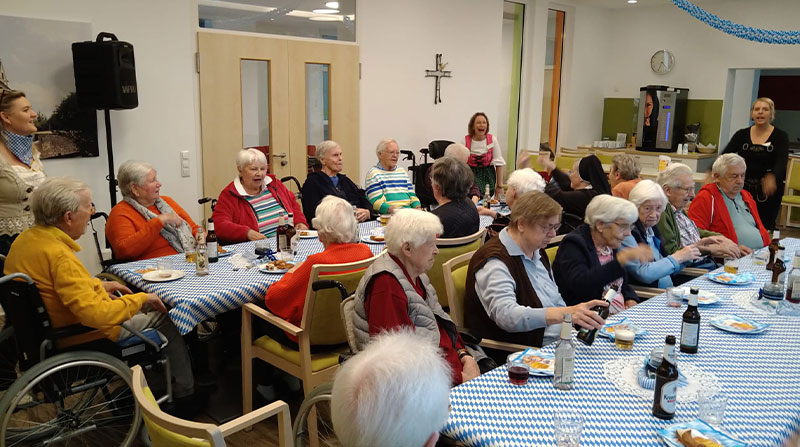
781 37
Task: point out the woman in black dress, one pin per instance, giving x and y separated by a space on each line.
765 149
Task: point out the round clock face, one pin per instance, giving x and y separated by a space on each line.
662 62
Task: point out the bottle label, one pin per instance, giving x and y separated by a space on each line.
689 334
565 367
669 393
283 244
212 249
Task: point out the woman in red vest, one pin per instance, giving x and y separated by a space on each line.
485 155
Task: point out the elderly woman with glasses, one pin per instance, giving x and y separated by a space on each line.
726 208
650 201
589 259
331 182
250 207
20 169
388 187
511 295
452 179
678 230
146 224
395 292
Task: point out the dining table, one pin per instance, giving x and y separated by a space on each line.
758 372
195 298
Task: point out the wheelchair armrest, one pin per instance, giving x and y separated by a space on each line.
143 337
329 284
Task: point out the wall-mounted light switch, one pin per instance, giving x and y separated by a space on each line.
184 163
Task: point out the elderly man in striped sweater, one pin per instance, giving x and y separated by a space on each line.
387 185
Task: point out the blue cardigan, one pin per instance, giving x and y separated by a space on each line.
578 272
655 273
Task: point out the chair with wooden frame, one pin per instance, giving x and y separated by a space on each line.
320 325
792 185
448 249
455 274
565 162
167 431
607 157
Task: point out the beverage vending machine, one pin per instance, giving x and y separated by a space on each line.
662 118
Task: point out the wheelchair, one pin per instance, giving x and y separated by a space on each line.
76 395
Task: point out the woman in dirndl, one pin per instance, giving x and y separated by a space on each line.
485 155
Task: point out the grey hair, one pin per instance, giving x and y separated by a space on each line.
453 176
648 190
324 147
627 166
525 180
606 208
672 174
249 156
54 198
394 392
383 143
458 151
334 217
411 226
725 161
132 172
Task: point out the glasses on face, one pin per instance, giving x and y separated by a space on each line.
549 227
623 226
684 188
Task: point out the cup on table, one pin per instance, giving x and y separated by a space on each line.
164 268
760 257
568 426
675 296
287 254
711 407
623 338
262 246
731 265
518 371
385 219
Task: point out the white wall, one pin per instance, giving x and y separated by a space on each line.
398 43
166 121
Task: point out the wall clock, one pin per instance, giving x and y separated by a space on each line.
662 62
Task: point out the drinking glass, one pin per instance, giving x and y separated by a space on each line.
675 296
568 426
164 267
518 371
732 265
711 408
760 257
287 254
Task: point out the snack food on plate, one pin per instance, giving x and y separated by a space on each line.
693 438
221 250
377 237
278 265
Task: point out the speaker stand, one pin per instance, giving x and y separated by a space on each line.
112 181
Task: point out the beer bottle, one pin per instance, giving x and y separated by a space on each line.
211 242
587 336
564 356
281 242
666 389
690 330
291 234
201 258
773 247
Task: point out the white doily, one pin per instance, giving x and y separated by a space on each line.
238 261
623 372
749 300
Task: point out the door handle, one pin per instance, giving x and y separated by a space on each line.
281 155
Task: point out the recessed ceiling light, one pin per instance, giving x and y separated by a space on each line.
332 5
325 11
323 19
633 1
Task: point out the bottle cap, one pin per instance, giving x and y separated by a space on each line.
694 290
670 340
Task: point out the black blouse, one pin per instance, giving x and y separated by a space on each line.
762 159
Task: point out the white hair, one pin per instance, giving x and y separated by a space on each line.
458 151
525 180
249 156
324 147
54 198
725 161
606 208
334 217
672 175
648 190
396 392
383 143
132 172
413 226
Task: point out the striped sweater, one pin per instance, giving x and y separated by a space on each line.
390 188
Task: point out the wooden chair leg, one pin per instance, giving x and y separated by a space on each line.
247 362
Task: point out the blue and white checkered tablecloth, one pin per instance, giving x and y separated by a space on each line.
760 373
196 298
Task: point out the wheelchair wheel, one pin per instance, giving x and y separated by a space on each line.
72 399
315 415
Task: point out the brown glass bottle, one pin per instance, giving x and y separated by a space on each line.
666 389
690 329
587 336
291 234
773 247
281 241
211 242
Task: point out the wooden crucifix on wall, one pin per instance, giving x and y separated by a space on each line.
438 73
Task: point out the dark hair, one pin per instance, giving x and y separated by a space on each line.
471 125
656 105
453 176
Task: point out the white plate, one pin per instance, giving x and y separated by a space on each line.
307 234
263 268
703 298
155 277
542 364
367 240
737 324
670 437
731 279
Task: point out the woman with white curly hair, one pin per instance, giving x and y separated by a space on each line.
395 292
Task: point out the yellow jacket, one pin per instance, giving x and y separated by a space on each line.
70 294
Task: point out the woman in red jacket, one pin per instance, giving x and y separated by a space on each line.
250 206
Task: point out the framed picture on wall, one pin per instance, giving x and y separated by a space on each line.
37 59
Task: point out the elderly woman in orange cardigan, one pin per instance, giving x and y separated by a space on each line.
338 228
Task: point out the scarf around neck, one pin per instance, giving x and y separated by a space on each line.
20 145
178 237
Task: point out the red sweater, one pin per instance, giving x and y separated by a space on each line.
386 306
132 237
709 212
234 217
286 298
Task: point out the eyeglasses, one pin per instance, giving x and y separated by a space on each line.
682 188
551 227
623 226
